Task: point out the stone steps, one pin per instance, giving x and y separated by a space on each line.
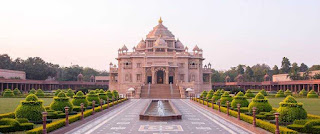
160 91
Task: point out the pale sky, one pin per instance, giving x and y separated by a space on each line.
230 32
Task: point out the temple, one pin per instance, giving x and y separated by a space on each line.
160 63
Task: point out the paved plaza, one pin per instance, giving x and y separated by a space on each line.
125 119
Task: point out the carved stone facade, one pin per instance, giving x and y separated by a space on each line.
160 59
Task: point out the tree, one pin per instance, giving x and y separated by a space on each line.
275 69
248 73
70 73
316 76
303 67
88 72
285 65
314 67
259 71
5 61
37 69
294 72
240 69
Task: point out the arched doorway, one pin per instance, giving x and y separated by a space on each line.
160 76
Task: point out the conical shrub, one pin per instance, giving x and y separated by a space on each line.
115 94
31 108
291 110
8 93
249 94
16 92
32 91
280 93
225 97
39 93
261 103
79 98
203 94
70 93
92 96
263 92
209 95
60 102
103 95
303 93
312 94
239 99
287 92
57 92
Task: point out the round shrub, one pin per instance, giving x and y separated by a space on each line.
8 93
303 93
280 93
16 91
32 91
92 96
79 98
249 94
287 92
216 96
209 95
312 94
60 102
31 108
263 92
70 93
109 95
103 95
39 93
203 94
115 94
57 92
261 103
225 97
239 99
290 110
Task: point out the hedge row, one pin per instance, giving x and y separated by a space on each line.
7 115
260 123
60 123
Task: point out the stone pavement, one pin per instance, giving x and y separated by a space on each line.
125 120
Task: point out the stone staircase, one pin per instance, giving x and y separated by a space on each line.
160 91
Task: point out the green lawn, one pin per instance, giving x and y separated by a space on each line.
10 104
310 104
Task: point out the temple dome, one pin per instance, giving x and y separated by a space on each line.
160 43
160 30
179 44
141 44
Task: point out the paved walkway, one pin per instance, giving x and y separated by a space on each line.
125 120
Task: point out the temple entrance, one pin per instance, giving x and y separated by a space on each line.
160 76
149 79
171 79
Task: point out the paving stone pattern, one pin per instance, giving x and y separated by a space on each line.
125 120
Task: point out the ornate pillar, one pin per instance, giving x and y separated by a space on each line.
153 75
167 75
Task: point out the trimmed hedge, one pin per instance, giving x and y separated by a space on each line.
61 123
203 94
92 96
260 123
261 103
103 95
8 115
291 110
79 98
109 95
280 93
70 93
31 108
217 95
57 92
32 91
306 126
13 125
303 93
239 99
39 93
249 94
8 93
60 102
312 94
209 95
263 92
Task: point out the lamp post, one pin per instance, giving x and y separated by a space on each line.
44 124
93 105
277 122
212 103
101 104
66 109
254 116
228 108
238 106
82 105
219 105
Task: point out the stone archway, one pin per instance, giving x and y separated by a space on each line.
160 77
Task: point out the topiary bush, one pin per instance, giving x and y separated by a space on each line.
209 95
263 92
57 92
79 98
280 93
60 102
32 91
97 91
92 96
115 94
12 125
225 97
8 93
249 94
103 95
261 103
203 94
31 108
239 99
16 92
312 94
216 96
303 93
291 110
39 93
109 95
70 93
287 92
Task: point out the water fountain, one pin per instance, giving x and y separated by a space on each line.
159 110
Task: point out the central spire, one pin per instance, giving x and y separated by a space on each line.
160 20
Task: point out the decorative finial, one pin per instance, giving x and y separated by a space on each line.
160 20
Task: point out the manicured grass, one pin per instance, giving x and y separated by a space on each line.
10 104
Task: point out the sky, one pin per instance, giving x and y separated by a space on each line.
231 32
